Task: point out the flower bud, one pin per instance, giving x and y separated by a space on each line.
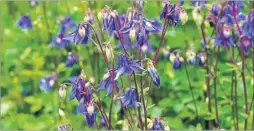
109 52
83 75
99 16
90 109
197 16
61 112
132 34
81 31
183 17
62 91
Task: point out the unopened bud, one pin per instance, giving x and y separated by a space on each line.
62 91
183 17
109 52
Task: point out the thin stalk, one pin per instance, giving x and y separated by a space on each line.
139 110
46 20
214 86
242 72
207 73
236 102
232 99
191 90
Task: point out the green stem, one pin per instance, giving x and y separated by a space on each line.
139 110
214 84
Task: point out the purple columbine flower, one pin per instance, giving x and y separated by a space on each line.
223 38
33 3
129 98
59 42
24 22
79 36
176 59
107 84
248 27
71 59
89 17
198 3
109 21
89 111
47 82
140 5
153 73
227 16
201 58
127 66
140 23
79 88
157 124
66 24
171 12
246 42
238 5
191 56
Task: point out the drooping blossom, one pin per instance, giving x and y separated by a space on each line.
48 82
223 38
157 124
60 42
24 22
201 58
107 84
129 98
153 73
127 66
71 59
81 35
89 111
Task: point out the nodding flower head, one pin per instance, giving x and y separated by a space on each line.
157 124
248 27
80 88
47 82
153 73
238 5
33 3
109 21
62 91
71 59
140 5
176 59
201 58
59 42
89 17
89 111
214 13
81 35
107 84
191 56
140 23
199 3
127 66
109 52
224 38
66 24
64 127
246 43
129 98
171 12
24 22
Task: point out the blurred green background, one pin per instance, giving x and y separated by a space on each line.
26 58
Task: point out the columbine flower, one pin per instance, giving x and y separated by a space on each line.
223 38
157 124
176 59
127 66
62 91
47 82
227 16
197 16
24 22
140 23
153 73
191 56
129 98
238 5
79 88
198 3
89 111
33 3
248 27
64 127
80 36
59 42
89 17
107 84
66 24
171 12
108 21
246 44
71 59
201 58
